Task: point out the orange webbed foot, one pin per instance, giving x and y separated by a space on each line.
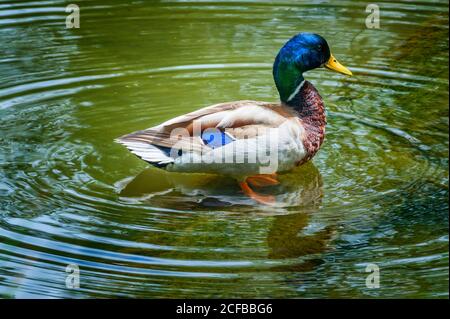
263 180
263 199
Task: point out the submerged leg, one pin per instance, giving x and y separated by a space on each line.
263 180
263 199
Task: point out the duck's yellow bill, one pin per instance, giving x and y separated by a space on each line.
334 65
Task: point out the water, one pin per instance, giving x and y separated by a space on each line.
377 192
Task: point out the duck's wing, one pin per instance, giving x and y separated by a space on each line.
228 115
240 119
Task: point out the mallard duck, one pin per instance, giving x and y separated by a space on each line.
250 141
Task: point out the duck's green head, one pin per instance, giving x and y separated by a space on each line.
304 52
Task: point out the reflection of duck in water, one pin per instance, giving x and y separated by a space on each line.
291 235
195 191
293 232
294 235
231 138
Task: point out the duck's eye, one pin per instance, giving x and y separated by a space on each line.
319 47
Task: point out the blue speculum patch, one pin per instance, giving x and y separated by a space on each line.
215 138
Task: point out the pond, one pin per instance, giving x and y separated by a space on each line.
376 193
